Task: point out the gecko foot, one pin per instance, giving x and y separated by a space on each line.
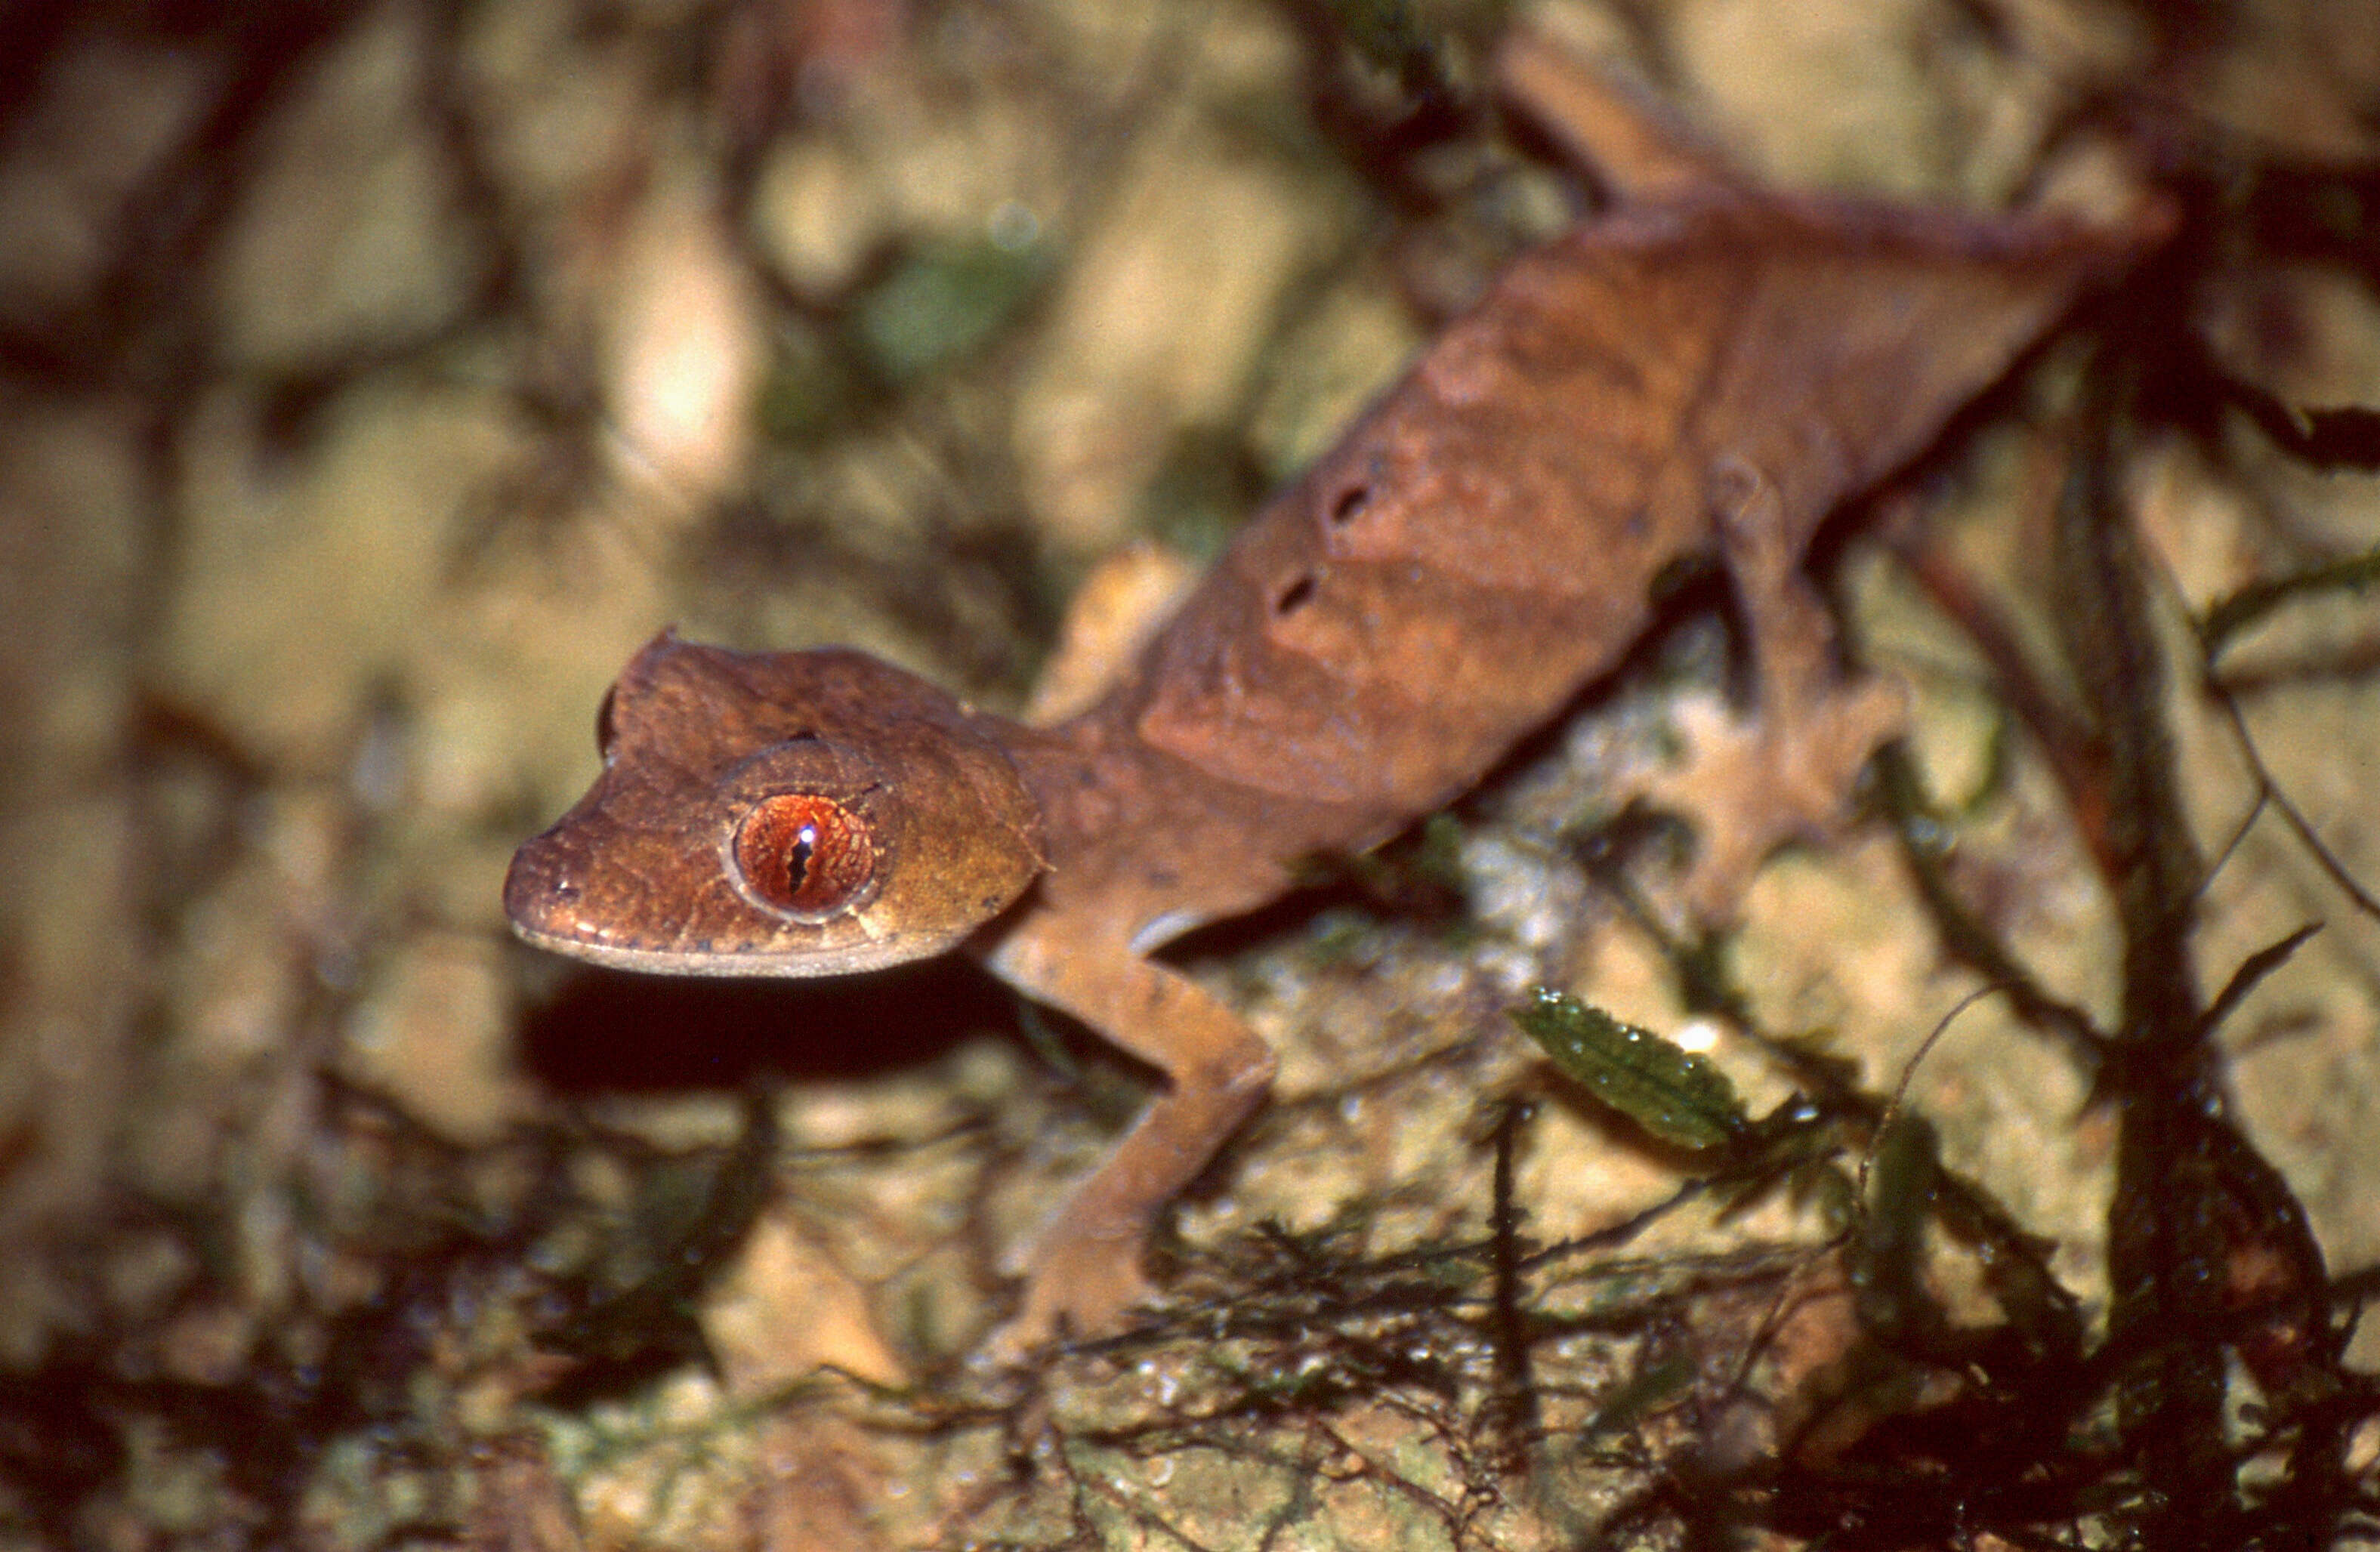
1080 1288
1779 772
1752 782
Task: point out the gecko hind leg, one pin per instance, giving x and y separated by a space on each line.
1780 771
1610 128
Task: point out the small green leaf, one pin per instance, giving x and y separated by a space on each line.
1675 1094
944 302
814 387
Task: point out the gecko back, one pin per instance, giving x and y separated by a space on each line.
1486 540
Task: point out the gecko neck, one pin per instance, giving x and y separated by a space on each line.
1145 844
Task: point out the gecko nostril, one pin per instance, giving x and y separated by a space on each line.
1350 503
1294 597
604 729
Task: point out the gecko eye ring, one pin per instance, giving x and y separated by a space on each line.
805 854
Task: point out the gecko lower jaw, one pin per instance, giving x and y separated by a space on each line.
553 905
543 899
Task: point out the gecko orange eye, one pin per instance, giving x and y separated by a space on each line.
805 854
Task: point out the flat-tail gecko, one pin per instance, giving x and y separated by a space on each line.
1706 368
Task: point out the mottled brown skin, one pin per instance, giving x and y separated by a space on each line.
1706 371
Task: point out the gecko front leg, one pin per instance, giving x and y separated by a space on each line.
1084 1270
1754 780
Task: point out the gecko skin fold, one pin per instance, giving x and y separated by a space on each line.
1705 369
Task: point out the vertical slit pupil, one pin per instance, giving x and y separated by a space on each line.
805 853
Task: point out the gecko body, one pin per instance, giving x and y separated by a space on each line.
1705 370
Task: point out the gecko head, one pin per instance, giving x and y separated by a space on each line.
778 814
